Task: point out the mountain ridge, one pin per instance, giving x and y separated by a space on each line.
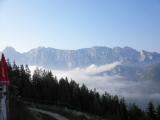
134 64
68 59
43 47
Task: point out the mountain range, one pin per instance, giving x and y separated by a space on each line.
134 64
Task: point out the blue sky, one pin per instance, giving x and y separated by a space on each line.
74 24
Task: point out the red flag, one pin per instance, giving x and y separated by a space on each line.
4 71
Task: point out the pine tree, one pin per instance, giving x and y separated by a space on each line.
37 84
158 112
123 110
75 92
43 87
135 113
84 101
64 92
151 111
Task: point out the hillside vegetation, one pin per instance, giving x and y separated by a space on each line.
44 88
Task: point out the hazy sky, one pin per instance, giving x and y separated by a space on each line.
73 24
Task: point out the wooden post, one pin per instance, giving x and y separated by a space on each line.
4 81
4 103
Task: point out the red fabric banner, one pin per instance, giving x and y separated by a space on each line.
4 71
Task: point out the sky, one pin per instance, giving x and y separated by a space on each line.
74 24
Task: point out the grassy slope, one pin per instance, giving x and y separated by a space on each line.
18 111
40 116
70 114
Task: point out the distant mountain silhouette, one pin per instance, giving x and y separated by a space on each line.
68 59
134 64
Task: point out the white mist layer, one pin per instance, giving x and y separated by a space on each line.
139 91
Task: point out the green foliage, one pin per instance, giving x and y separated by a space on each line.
18 111
136 113
151 111
44 88
158 112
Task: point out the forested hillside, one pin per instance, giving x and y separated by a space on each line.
44 88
